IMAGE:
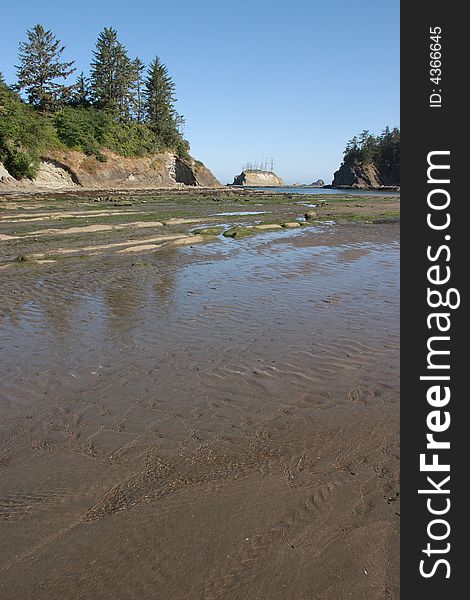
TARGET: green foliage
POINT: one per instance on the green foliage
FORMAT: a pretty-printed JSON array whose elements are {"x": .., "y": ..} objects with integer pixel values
[
  {"x": 81, "y": 94},
  {"x": 24, "y": 135},
  {"x": 138, "y": 105},
  {"x": 90, "y": 130},
  {"x": 182, "y": 148},
  {"x": 40, "y": 67},
  {"x": 160, "y": 100},
  {"x": 115, "y": 109},
  {"x": 132, "y": 139},
  {"x": 114, "y": 76},
  {"x": 21, "y": 163},
  {"x": 77, "y": 129},
  {"x": 382, "y": 150}
]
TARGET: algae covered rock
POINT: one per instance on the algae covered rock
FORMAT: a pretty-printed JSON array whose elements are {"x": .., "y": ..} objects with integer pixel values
[
  {"x": 25, "y": 257},
  {"x": 291, "y": 225},
  {"x": 208, "y": 230},
  {"x": 238, "y": 232}
]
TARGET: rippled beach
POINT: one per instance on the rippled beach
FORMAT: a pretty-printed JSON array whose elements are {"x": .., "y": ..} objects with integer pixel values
[{"x": 213, "y": 420}]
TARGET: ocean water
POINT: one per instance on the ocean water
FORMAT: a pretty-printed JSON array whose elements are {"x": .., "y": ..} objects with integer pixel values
[{"x": 325, "y": 191}]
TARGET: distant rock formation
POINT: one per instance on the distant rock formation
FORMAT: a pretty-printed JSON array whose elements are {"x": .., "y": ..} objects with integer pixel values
[
  {"x": 257, "y": 178},
  {"x": 368, "y": 176},
  {"x": 70, "y": 170},
  {"x": 317, "y": 183}
]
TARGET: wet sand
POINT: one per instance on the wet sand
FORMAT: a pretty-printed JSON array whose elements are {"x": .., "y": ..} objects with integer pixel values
[{"x": 207, "y": 421}]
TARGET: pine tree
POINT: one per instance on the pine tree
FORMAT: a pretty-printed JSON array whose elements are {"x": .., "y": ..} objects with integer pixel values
[
  {"x": 138, "y": 89},
  {"x": 4, "y": 94},
  {"x": 81, "y": 92},
  {"x": 112, "y": 75},
  {"x": 40, "y": 67},
  {"x": 160, "y": 101}
]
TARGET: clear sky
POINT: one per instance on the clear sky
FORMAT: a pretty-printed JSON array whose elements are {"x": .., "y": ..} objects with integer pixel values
[{"x": 289, "y": 80}]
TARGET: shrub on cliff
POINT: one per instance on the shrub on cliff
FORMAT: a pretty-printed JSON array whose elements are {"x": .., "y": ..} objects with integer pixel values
[
  {"x": 90, "y": 130},
  {"x": 24, "y": 135},
  {"x": 79, "y": 128},
  {"x": 115, "y": 109}
]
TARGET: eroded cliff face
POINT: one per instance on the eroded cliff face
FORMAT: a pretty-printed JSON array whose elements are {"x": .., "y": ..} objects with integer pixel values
[
  {"x": 258, "y": 179},
  {"x": 366, "y": 176},
  {"x": 73, "y": 169},
  {"x": 5, "y": 177}
]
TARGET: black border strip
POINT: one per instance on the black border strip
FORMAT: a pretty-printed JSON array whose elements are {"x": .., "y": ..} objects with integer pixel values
[{"x": 426, "y": 128}]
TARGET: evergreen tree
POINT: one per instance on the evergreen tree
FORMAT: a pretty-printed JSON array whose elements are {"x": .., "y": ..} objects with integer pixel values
[
  {"x": 40, "y": 67},
  {"x": 180, "y": 122},
  {"x": 122, "y": 107},
  {"x": 4, "y": 94},
  {"x": 126, "y": 83},
  {"x": 81, "y": 92},
  {"x": 112, "y": 75},
  {"x": 160, "y": 101},
  {"x": 388, "y": 153},
  {"x": 352, "y": 152},
  {"x": 103, "y": 68},
  {"x": 138, "y": 89},
  {"x": 382, "y": 150}
]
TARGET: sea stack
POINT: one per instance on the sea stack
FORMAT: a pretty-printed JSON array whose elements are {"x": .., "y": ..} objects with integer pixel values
[{"x": 257, "y": 178}]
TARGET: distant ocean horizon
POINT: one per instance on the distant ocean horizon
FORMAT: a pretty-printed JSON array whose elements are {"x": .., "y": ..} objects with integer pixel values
[{"x": 326, "y": 191}]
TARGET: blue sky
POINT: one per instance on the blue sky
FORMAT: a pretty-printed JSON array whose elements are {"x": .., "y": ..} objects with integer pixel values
[{"x": 289, "y": 80}]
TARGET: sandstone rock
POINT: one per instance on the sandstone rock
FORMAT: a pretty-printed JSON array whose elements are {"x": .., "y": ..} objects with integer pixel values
[
  {"x": 291, "y": 225},
  {"x": 267, "y": 226},
  {"x": 311, "y": 214},
  {"x": 258, "y": 178},
  {"x": 62, "y": 170},
  {"x": 5, "y": 176},
  {"x": 53, "y": 175}
]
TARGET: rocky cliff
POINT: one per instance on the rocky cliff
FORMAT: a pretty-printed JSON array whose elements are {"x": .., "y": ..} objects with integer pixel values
[
  {"x": 366, "y": 176},
  {"x": 258, "y": 178},
  {"x": 74, "y": 169},
  {"x": 5, "y": 177}
]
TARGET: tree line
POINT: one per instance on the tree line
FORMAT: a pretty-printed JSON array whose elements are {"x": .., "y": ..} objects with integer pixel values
[
  {"x": 382, "y": 149},
  {"x": 126, "y": 87},
  {"x": 122, "y": 105}
]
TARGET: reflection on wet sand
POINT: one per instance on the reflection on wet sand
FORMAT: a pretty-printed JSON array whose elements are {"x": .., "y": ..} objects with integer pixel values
[{"x": 210, "y": 422}]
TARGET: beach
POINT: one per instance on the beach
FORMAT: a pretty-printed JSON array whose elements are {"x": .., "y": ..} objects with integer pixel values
[{"x": 187, "y": 415}]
